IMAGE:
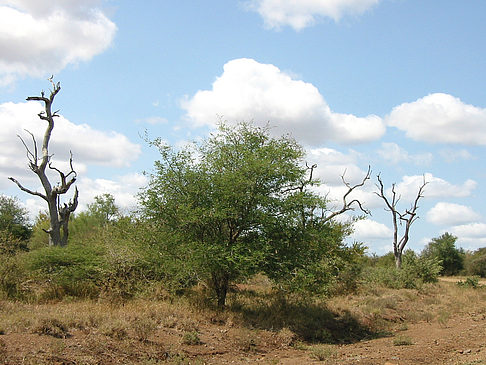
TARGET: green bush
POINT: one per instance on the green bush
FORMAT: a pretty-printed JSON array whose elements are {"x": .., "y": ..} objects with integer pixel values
[
  {"x": 75, "y": 270},
  {"x": 475, "y": 263},
  {"x": 415, "y": 271},
  {"x": 11, "y": 276},
  {"x": 443, "y": 248}
]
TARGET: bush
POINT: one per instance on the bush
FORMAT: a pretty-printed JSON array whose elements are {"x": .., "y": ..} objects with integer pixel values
[
  {"x": 11, "y": 276},
  {"x": 414, "y": 272},
  {"x": 475, "y": 263},
  {"x": 443, "y": 248}
]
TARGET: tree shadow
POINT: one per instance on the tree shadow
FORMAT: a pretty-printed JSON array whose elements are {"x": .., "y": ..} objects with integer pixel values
[{"x": 311, "y": 321}]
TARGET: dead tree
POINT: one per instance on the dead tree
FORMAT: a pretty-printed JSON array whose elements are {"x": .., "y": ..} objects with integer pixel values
[
  {"x": 58, "y": 213},
  {"x": 407, "y": 218}
]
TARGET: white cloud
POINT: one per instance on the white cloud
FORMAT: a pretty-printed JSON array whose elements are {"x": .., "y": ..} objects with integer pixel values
[
  {"x": 123, "y": 188},
  {"x": 38, "y": 38},
  {"x": 248, "y": 90},
  {"x": 435, "y": 188},
  {"x": 470, "y": 236},
  {"x": 88, "y": 145},
  {"x": 451, "y": 214},
  {"x": 453, "y": 155},
  {"x": 369, "y": 229},
  {"x": 440, "y": 118},
  {"x": 394, "y": 154},
  {"x": 303, "y": 13}
]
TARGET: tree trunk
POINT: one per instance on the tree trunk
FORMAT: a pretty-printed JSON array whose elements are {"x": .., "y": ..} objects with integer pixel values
[
  {"x": 55, "y": 226},
  {"x": 398, "y": 260},
  {"x": 220, "y": 284}
]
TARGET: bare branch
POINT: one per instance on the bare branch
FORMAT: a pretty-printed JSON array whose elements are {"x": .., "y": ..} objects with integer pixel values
[
  {"x": 349, "y": 205},
  {"x": 407, "y": 218},
  {"x": 31, "y": 192}
]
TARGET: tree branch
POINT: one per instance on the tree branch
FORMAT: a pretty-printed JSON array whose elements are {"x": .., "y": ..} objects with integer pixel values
[
  {"x": 349, "y": 205},
  {"x": 27, "y": 190}
]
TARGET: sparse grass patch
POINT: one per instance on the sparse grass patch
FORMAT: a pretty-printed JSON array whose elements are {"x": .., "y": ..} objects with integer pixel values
[
  {"x": 115, "y": 329},
  {"x": 51, "y": 327},
  {"x": 322, "y": 352},
  {"x": 143, "y": 328},
  {"x": 191, "y": 338},
  {"x": 286, "y": 337},
  {"x": 402, "y": 341}
]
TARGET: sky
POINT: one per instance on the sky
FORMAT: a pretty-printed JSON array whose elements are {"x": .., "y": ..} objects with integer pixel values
[{"x": 397, "y": 85}]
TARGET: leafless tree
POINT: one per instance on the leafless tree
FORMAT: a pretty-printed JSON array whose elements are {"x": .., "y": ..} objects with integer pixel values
[
  {"x": 58, "y": 213},
  {"x": 407, "y": 218}
]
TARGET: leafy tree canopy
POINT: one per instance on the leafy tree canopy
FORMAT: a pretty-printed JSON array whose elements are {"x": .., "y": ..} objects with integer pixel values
[
  {"x": 14, "y": 218},
  {"x": 444, "y": 249},
  {"x": 241, "y": 202}
]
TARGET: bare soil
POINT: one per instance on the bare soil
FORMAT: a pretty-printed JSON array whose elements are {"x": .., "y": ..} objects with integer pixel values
[{"x": 457, "y": 338}]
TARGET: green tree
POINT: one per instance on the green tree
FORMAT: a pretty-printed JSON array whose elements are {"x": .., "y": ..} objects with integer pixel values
[
  {"x": 444, "y": 249},
  {"x": 475, "y": 262},
  {"x": 104, "y": 208},
  {"x": 238, "y": 203},
  {"x": 13, "y": 218}
]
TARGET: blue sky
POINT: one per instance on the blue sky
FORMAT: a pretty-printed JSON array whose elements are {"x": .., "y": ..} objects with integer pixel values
[{"x": 395, "y": 84}]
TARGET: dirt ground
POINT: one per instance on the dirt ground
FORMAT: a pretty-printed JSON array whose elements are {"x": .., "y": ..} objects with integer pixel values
[
  {"x": 461, "y": 341},
  {"x": 458, "y": 339}
]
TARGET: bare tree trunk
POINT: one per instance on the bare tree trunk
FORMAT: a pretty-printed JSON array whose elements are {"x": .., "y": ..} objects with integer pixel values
[
  {"x": 58, "y": 216},
  {"x": 408, "y": 217}
]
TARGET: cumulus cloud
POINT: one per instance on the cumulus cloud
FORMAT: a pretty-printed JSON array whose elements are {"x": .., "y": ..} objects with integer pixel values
[
  {"x": 248, "y": 90},
  {"x": 394, "y": 154},
  {"x": 449, "y": 214},
  {"x": 39, "y": 38},
  {"x": 435, "y": 188},
  {"x": 88, "y": 145},
  {"x": 123, "y": 188},
  {"x": 301, "y": 14},
  {"x": 369, "y": 229},
  {"x": 440, "y": 118},
  {"x": 471, "y": 236},
  {"x": 453, "y": 155}
]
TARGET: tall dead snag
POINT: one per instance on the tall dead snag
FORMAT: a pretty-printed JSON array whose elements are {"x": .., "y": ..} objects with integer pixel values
[
  {"x": 58, "y": 213},
  {"x": 407, "y": 218}
]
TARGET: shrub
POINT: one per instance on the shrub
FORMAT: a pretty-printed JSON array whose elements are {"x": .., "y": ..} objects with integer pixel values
[
  {"x": 51, "y": 327},
  {"x": 414, "y": 272},
  {"x": 75, "y": 269},
  {"x": 443, "y": 248},
  {"x": 191, "y": 338},
  {"x": 475, "y": 263},
  {"x": 402, "y": 341},
  {"x": 470, "y": 282},
  {"x": 11, "y": 277}
]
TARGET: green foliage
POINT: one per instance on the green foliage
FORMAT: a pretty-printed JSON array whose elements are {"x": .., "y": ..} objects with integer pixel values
[
  {"x": 239, "y": 203},
  {"x": 12, "y": 275},
  {"x": 475, "y": 263},
  {"x": 75, "y": 269},
  {"x": 470, "y": 282},
  {"x": 104, "y": 208},
  {"x": 15, "y": 229},
  {"x": 415, "y": 271},
  {"x": 443, "y": 248}
]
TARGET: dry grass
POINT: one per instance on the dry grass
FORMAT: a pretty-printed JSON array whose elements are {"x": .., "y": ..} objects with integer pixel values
[{"x": 142, "y": 331}]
